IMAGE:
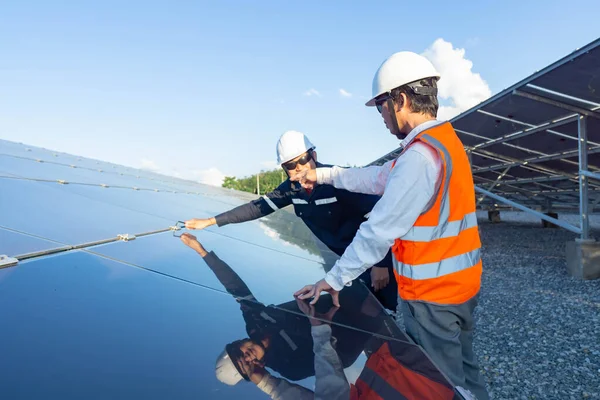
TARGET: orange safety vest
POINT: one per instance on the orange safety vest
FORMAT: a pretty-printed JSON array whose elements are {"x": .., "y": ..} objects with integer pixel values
[
  {"x": 384, "y": 377},
  {"x": 438, "y": 260}
]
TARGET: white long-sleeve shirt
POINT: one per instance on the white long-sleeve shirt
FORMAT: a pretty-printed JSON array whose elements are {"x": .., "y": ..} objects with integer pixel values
[{"x": 407, "y": 190}]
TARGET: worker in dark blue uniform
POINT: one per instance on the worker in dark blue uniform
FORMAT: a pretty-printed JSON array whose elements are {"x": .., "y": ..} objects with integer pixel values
[
  {"x": 333, "y": 215},
  {"x": 279, "y": 337}
]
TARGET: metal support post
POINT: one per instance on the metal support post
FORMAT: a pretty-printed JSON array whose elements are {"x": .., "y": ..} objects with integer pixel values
[
  {"x": 521, "y": 207},
  {"x": 548, "y": 205},
  {"x": 494, "y": 184},
  {"x": 583, "y": 180}
]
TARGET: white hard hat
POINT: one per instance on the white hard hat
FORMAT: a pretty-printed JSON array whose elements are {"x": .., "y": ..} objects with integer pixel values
[
  {"x": 398, "y": 70},
  {"x": 226, "y": 371},
  {"x": 291, "y": 144}
]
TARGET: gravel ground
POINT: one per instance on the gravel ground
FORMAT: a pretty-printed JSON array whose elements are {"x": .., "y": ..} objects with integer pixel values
[{"x": 538, "y": 329}]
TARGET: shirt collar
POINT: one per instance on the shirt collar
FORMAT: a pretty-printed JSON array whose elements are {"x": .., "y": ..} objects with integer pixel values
[{"x": 418, "y": 129}]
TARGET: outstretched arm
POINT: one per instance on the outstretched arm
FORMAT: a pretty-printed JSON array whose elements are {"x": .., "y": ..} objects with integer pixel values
[
  {"x": 261, "y": 207},
  {"x": 368, "y": 180},
  {"x": 330, "y": 380},
  {"x": 224, "y": 273}
]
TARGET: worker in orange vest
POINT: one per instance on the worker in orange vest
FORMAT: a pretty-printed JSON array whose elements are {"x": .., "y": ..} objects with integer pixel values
[
  {"x": 426, "y": 215},
  {"x": 395, "y": 369}
]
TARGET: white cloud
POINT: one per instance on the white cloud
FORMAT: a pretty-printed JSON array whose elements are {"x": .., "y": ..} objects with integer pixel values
[
  {"x": 273, "y": 234},
  {"x": 312, "y": 92},
  {"x": 211, "y": 176},
  {"x": 149, "y": 165},
  {"x": 459, "y": 85},
  {"x": 271, "y": 164},
  {"x": 344, "y": 93}
]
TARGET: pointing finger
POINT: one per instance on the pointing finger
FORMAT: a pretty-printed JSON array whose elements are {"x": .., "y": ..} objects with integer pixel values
[
  {"x": 307, "y": 294},
  {"x": 303, "y": 290}
]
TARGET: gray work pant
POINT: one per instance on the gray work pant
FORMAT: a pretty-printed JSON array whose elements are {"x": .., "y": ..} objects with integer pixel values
[{"x": 446, "y": 334}]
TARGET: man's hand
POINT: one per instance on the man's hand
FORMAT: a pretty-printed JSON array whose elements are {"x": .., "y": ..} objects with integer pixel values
[
  {"x": 310, "y": 312},
  {"x": 256, "y": 373},
  {"x": 199, "y": 223},
  {"x": 193, "y": 243},
  {"x": 380, "y": 277},
  {"x": 315, "y": 290},
  {"x": 307, "y": 178}
]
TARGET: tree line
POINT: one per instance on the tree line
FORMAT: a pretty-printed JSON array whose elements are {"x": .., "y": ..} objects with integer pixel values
[{"x": 267, "y": 181}]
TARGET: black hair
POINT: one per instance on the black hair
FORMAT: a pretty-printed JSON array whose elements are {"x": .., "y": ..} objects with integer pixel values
[{"x": 419, "y": 103}]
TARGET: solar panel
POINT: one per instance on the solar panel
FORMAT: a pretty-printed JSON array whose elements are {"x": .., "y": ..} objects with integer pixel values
[
  {"x": 18, "y": 243},
  {"x": 524, "y": 142},
  {"x": 90, "y": 314}
]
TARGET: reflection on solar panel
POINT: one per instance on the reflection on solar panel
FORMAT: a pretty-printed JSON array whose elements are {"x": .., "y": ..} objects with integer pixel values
[
  {"x": 101, "y": 299},
  {"x": 536, "y": 145}
]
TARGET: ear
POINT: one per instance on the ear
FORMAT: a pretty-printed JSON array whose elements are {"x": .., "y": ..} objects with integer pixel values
[
  {"x": 405, "y": 103},
  {"x": 314, "y": 155}
]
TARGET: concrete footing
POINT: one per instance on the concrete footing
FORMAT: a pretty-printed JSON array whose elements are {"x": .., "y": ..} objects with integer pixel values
[
  {"x": 583, "y": 259},
  {"x": 494, "y": 216},
  {"x": 547, "y": 224}
]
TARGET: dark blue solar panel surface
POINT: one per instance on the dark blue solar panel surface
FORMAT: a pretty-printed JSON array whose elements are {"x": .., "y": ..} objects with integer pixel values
[
  {"x": 148, "y": 318},
  {"x": 14, "y": 243}
]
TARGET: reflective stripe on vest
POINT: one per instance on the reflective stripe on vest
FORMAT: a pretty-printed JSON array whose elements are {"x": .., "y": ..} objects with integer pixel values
[
  {"x": 378, "y": 385},
  {"x": 445, "y": 206},
  {"x": 440, "y": 268},
  {"x": 450, "y": 229}
]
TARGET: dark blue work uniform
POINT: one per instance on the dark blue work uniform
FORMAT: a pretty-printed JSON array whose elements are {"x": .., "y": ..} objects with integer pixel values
[
  {"x": 290, "y": 350},
  {"x": 333, "y": 215}
]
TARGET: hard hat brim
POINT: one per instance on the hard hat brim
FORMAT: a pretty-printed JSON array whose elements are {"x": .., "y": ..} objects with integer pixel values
[{"x": 371, "y": 103}]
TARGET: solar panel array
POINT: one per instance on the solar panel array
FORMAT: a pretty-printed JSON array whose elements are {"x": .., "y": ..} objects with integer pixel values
[{"x": 106, "y": 302}]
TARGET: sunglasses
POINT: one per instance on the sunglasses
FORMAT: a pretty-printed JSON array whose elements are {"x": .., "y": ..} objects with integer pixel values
[
  {"x": 379, "y": 103},
  {"x": 290, "y": 165}
]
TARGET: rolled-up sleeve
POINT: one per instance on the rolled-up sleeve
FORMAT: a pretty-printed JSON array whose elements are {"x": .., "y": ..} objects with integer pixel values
[{"x": 409, "y": 188}]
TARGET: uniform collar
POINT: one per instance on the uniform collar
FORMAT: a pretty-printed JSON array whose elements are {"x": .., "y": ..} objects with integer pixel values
[{"x": 418, "y": 129}]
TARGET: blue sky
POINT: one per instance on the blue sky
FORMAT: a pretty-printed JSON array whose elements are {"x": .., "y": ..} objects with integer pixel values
[{"x": 202, "y": 89}]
